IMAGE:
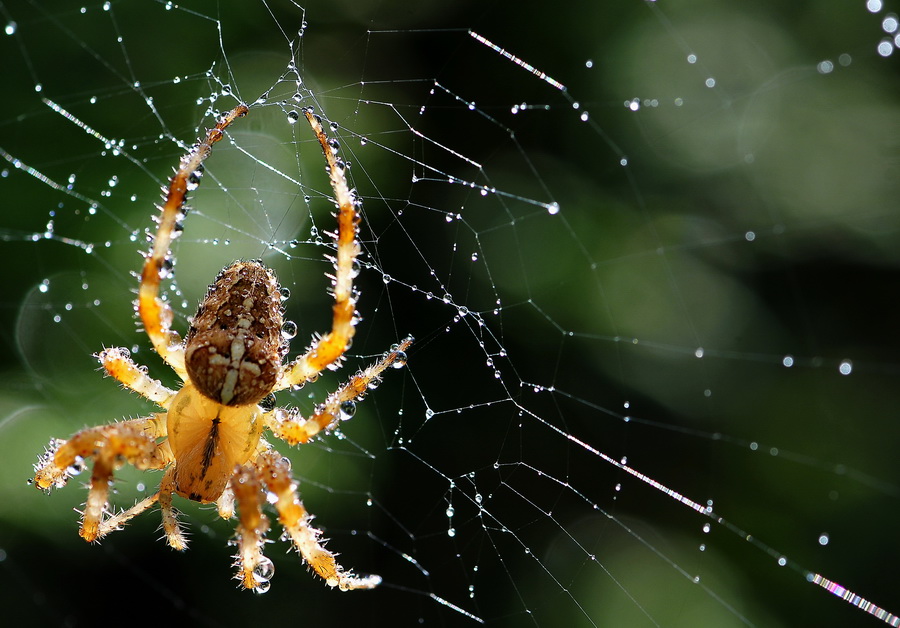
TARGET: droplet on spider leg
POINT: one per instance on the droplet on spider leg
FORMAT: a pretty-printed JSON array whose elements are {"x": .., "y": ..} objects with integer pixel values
[
  {"x": 76, "y": 467},
  {"x": 193, "y": 180},
  {"x": 399, "y": 361},
  {"x": 267, "y": 403},
  {"x": 348, "y": 409},
  {"x": 166, "y": 268}
]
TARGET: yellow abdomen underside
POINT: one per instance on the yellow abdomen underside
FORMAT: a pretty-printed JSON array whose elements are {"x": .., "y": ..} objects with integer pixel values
[{"x": 209, "y": 440}]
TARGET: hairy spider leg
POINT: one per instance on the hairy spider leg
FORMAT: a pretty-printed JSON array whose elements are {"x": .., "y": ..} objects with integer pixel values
[
  {"x": 171, "y": 526},
  {"x": 254, "y": 569},
  {"x": 275, "y": 473},
  {"x": 290, "y": 426},
  {"x": 110, "y": 446},
  {"x": 155, "y": 313},
  {"x": 328, "y": 349},
  {"x": 119, "y": 365}
]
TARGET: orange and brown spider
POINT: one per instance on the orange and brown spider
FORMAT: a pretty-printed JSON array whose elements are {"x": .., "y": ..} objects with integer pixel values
[{"x": 208, "y": 438}]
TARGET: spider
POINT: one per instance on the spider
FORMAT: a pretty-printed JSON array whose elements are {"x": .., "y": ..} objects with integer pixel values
[{"x": 208, "y": 437}]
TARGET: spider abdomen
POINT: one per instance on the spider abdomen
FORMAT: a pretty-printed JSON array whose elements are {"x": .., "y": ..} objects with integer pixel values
[{"x": 234, "y": 347}]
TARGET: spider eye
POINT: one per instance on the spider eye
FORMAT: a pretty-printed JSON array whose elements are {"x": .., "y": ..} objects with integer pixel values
[{"x": 267, "y": 403}]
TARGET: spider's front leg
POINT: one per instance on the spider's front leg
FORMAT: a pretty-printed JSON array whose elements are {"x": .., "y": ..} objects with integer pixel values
[
  {"x": 290, "y": 426},
  {"x": 110, "y": 446},
  {"x": 327, "y": 351},
  {"x": 155, "y": 313}
]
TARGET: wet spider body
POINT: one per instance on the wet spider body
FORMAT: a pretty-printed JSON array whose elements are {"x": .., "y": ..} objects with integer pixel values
[
  {"x": 208, "y": 437},
  {"x": 232, "y": 353}
]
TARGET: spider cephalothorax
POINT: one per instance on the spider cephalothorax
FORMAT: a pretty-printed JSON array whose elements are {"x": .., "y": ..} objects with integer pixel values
[{"x": 208, "y": 439}]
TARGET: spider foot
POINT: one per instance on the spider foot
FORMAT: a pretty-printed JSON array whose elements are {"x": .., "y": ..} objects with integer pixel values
[
  {"x": 307, "y": 540},
  {"x": 295, "y": 520},
  {"x": 48, "y": 474},
  {"x": 254, "y": 569},
  {"x": 175, "y": 535}
]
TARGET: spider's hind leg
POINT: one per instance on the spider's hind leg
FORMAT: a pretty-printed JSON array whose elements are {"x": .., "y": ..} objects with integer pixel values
[
  {"x": 254, "y": 569},
  {"x": 276, "y": 475}
]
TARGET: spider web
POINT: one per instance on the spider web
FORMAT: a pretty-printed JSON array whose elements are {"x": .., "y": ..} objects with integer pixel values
[{"x": 648, "y": 254}]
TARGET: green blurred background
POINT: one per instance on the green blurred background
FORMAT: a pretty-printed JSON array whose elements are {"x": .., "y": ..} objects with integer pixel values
[{"x": 727, "y": 240}]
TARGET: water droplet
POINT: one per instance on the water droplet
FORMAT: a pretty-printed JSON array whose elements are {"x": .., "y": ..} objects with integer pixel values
[
  {"x": 429, "y": 413},
  {"x": 824, "y": 538},
  {"x": 267, "y": 403},
  {"x": 846, "y": 367},
  {"x": 289, "y": 329},
  {"x": 348, "y": 409},
  {"x": 11, "y": 28},
  {"x": 400, "y": 360},
  {"x": 292, "y": 117}
]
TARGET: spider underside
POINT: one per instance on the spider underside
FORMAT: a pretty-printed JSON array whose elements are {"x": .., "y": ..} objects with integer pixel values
[{"x": 208, "y": 437}]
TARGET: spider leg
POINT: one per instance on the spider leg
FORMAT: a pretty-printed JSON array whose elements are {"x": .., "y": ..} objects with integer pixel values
[
  {"x": 164, "y": 458},
  {"x": 155, "y": 313},
  {"x": 288, "y": 425},
  {"x": 225, "y": 503},
  {"x": 110, "y": 446},
  {"x": 254, "y": 569},
  {"x": 276, "y": 475},
  {"x": 328, "y": 349},
  {"x": 119, "y": 365},
  {"x": 117, "y": 521},
  {"x": 171, "y": 526}
]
